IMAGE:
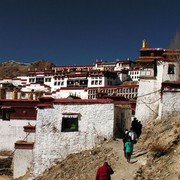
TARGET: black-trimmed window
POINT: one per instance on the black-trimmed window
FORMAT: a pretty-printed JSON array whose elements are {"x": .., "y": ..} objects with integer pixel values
[
  {"x": 133, "y": 112},
  {"x": 39, "y": 80},
  {"x": 69, "y": 124},
  {"x": 171, "y": 69},
  {"x": 6, "y": 114}
]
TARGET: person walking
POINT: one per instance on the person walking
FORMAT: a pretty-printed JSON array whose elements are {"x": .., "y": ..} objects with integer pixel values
[
  {"x": 104, "y": 172},
  {"x": 128, "y": 149},
  {"x": 132, "y": 135},
  {"x": 125, "y": 138}
]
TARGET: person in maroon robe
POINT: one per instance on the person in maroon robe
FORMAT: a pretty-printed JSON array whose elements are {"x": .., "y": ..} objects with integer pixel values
[{"x": 104, "y": 172}]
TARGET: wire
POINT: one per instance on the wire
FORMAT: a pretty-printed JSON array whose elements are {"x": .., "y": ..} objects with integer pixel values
[
  {"x": 150, "y": 93},
  {"x": 150, "y": 102},
  {"x": 150, "y": 108}
]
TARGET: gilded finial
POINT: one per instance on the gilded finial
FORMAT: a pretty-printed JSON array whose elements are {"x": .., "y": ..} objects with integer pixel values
[{"x": 144, "y": 43}]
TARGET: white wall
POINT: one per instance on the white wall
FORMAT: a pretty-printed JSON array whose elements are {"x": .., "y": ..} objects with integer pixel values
[
  {"x": 11, "y": 131},
  {"x": 149, "y": 97},
  {"x": 53, "y": 87},
  {"x": 52, "y": 145},
  {"x": 170, "y": 103},
  {"x": 67, "y": 92},
  {"x": 147, "y": 105},
  {"x": 98, "y": 79},
  {"x": 134, "y": 74},
  {"x": 170, "y": 77},
  {"x": 35, "y": 87},
  {"x": 22, "y": 162}
]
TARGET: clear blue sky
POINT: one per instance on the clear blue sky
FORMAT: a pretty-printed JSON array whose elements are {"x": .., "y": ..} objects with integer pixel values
[{"x": 68, "y": 32}]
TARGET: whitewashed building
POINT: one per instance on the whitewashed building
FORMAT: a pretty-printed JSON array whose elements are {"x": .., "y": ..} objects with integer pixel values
[
  {"x": 170, "y": 103},
  {"x": 14, "y": 115},
  {"x": 63, "y": 81},
  {"x": 157, "y": 66},
  {"x": 134, "y": 74},
  {"x": 66, "y": 126}
]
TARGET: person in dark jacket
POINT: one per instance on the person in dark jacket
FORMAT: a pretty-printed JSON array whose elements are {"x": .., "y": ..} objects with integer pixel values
[
  {"x": 125, "y": 138},
  {"x": 104, "y": 172}
]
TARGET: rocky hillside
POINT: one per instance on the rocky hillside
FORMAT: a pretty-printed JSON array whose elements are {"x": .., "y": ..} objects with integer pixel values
[
  {"x": 12, "y": 69},
  {"x": 161, "y": 140}
]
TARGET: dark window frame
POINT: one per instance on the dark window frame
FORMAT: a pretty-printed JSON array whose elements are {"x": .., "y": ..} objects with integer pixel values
[
  {"x": 69, "y": 124},
  {"x": 171, "y": 69},
  {"x": 6, "y": 114}
]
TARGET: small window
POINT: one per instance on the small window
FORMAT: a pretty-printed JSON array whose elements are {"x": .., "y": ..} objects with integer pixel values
[
  {"x": 171, "y": 69},
  {"x": 6, "y": 114},
  {"x": 133, "y": 112},
  {"x": 69, "y": 124}
]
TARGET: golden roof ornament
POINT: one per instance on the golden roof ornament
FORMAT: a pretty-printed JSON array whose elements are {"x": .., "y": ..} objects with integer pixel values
[{"x": 144, "y": 43}]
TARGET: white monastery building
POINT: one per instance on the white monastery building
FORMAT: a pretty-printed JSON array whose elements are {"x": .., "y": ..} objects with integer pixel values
[{"x": 158, "y": 92}]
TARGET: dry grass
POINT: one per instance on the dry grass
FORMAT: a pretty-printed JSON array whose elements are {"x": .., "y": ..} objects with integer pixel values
[
  {"x": 146, "y": 135},
  {"x": 176, "y": 131},
  {"x": 178, "y": 124},
  {"x": 160, "y": 138},
  {"x": 158, "y": 149}
]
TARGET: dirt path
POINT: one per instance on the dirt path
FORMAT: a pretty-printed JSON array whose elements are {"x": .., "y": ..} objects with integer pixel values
[
  {"x": 5, "y": 178},
  {"x": 124, "y": 170},
  {"x": 83, "y": 166},
  {"x": 88, "y": 162}
]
